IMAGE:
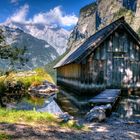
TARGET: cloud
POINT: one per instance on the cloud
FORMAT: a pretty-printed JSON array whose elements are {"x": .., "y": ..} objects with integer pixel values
[
  {"x": 53, "y": 17},
  {"x": 14, "y": 1},
  {"x": 20, "y": 15}
]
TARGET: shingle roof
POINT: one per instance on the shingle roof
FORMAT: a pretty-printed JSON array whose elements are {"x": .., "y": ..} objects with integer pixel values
[{"x": 95, "y": 40}]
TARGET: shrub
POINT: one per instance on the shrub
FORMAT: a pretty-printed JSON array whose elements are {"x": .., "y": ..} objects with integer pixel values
[
  {"x": 124, "y": 12},
  {"x": 23, "y": 80}
]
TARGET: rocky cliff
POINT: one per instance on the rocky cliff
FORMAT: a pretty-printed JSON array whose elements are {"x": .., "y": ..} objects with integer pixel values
[{"x": 96, "y": 15}]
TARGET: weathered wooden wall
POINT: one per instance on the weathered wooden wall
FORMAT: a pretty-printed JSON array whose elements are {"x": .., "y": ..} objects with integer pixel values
[{"x": 114, "y": 64}]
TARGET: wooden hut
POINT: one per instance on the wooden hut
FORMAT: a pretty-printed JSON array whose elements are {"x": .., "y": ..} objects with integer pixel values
[{"x": 108, "y": 59}]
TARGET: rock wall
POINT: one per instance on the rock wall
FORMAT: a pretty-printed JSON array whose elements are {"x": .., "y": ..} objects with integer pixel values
[
  {"x": 101, "y": 13},
  {"x": 85, "y": 26},
  {"x": 136, "y": 21}
]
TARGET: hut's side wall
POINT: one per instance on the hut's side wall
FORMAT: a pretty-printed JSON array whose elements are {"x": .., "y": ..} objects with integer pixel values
[{"x": 69, "y": 76}]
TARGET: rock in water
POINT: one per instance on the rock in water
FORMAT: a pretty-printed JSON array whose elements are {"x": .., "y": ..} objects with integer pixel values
[
  {"x": 45, "y": 88},
  {"x": 65, "y": 117}
]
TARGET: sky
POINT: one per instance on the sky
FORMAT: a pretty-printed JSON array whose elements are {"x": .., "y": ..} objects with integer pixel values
[{"x": 60, "y": 12}]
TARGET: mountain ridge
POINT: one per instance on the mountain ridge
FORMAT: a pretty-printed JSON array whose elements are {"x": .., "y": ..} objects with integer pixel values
[
  {"x": 54, "y": 35},
  {"x": 39, "y": 51}
]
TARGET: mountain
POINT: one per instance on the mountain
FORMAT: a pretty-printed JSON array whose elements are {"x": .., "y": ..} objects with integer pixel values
[
  {"x": 54, "y": 35},
  {"x": 39, "y": 51},
  {"x": 97, "y": 15}
]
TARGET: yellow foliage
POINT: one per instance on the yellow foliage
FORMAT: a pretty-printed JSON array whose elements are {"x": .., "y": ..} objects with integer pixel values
[{"x": 36, "y": 83}]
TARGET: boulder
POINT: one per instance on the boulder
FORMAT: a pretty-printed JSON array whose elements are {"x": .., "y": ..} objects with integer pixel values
[
  {"x": 98, "y": 113},
  {"x": 45, "y": 87}
]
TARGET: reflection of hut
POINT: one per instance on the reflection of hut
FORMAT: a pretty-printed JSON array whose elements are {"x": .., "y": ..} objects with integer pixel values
[{"x": 108, "y": 59}]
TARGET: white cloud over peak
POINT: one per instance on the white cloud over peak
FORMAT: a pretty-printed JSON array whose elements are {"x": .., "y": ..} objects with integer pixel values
[
  {"x": 20, "y": 15},
  {"x": 53, "y": 17}
]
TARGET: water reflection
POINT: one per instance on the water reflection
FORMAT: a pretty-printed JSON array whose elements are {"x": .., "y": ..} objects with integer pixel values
[
  {"x": 40, "y": 104},
  {"x": 129, "y": 107}
]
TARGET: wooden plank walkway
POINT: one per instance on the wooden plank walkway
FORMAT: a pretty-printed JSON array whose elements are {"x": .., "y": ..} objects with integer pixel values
[{"x": 106, "y": 96}]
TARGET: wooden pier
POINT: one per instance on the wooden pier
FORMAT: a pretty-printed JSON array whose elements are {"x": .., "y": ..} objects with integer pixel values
[{"x": 106, "y": 96}]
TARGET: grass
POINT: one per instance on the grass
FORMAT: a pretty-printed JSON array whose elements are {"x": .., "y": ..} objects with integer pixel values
[
  {"x": 35, "y": 118},
  {"x": 30, "y": 117}
]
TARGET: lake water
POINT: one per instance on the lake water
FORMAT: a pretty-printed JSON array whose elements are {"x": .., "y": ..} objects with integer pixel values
[{"x": 128, "y": 107}]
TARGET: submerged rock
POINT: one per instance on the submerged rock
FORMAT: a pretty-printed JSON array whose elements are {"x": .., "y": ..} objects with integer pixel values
[{"x": 65, "y": 117}]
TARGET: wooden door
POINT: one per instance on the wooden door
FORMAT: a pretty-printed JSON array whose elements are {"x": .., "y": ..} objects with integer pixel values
[{"x": 117, "y": 71}]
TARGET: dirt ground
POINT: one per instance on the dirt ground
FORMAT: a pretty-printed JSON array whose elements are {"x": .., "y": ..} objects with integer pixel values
[{"x": 110, "y": 130}]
